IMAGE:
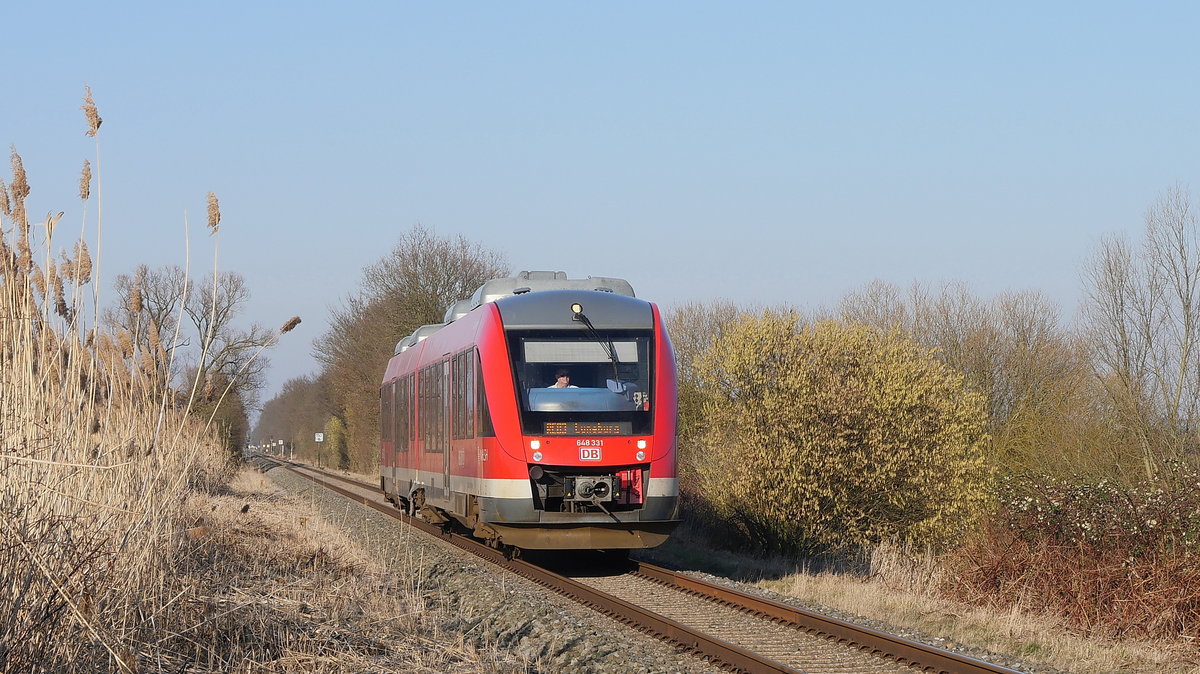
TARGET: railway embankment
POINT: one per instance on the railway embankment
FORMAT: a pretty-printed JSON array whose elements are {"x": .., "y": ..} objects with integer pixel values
[
  {"x": 462, "y": 606},
  {"x": 873, "y": 599}
]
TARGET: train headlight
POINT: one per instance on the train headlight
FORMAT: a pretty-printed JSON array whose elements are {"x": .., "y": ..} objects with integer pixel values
[
  {"x": 577, "y": 308},
  {"x": 641, "y": 444},
  {"x": 537, "y": 456},
  {"x": 641, "y": 456},
  {"x": 535, "y": 444}
]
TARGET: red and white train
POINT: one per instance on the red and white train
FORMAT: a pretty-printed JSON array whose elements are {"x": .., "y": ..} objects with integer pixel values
[{"x": 478, "y": 425}]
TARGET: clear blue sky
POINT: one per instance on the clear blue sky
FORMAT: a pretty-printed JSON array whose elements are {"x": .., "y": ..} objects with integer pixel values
[{"x": 763, "y": 152}]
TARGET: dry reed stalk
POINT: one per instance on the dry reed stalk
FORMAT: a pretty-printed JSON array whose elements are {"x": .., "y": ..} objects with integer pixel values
[
  {"x": 82, "y": 266},
  {"x": 85, "y": 266},
  {"x": 214, "y": 213},
  {"x": 84, "y": 509},
  {"x": 90, "y": 112},
  {"x": 85, "y": 181},
  {"x": 92, "y": 116},
  {"x": 206, "y": 340},
  {"x": 18, "y": 189}
]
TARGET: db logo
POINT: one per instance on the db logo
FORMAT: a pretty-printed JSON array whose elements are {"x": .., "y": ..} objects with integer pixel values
[{"x": 589, "y": 453}]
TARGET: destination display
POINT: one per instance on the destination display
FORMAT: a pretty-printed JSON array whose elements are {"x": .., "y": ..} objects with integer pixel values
[{"x": 588, "y": 428}]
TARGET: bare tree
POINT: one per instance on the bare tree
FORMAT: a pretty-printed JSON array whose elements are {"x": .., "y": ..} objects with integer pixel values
[
  {"x": 424, "y": 274},
  {"x": 158, "y": 299},
  {"x": 1143, "y": 318},
  {"x": 1015, "y": 349},
  {"x": 694, "y": 327},
  {"x": 409, "y": 287},
  {"x": 225, "y": 349},
  {"x": 879, "y": 304},
  {"x": 150, "y": 305},
  {"x": 148, "y": 308}
]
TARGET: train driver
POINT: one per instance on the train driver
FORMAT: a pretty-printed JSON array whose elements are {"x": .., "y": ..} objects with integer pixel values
[{"x": 562, "y": 379}]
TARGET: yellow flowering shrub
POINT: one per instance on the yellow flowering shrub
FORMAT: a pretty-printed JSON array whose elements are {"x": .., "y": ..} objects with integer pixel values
[{"x": 831, "y": 435}]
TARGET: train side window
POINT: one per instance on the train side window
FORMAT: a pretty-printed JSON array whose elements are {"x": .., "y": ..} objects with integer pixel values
[
  {"x": 397, "y": 411},
  {"x": 464, "y": 396},
  {"x": 432, "y": 407},
  {"x": 422, "y": 408},
  {"x": 429, "y": 408},
  {"x": 405, "y": 413},
  {"x": 444, "y": 407},
  {"x": 405, "y": 429},
  {"x": 455, "y": 375},
  {"x": 389, "y": 417},
  {"x": 468, "y": 393},
  {"x": 438, "y": 416},
  {"x": 386, "y": 399},
  {"x": 402, "y": 413},
  {"x": 481, "y": 404}
]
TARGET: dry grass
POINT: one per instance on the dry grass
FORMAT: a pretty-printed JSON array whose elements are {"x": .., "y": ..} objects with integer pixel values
[
  {"x": 95, "y": 464},
  {"x": 904, "y": 590},
  {"x": 122, "y": 549},
  {"x": 274, "y": 587}
]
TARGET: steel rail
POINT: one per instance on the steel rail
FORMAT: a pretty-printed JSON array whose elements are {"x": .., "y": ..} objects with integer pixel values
[
  {"x": 690, "y": 640},
  {"x": 870, "y": 640},
  {"x": 888, "y": 646}
]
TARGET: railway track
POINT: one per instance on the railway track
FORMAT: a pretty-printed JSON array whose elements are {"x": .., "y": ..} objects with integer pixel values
[{"x": 736, "y": 630}]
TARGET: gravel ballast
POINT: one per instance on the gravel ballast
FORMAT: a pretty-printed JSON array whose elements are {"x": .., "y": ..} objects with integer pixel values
[{"x": 491, "y": 608}]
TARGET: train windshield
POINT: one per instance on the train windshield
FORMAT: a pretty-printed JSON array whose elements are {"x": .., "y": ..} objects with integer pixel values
[{"x": 573, "y": 383}]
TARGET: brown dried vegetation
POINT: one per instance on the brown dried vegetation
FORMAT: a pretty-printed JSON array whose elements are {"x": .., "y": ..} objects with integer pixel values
[
  {"x": 97, "y": 462},
  {"x": 92, "y": 482}
]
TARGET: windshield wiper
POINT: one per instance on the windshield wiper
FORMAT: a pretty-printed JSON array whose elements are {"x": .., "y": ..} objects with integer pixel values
[{"x": 610, "y": 349}]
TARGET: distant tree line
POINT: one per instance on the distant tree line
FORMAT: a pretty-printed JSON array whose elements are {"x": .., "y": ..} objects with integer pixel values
[
  {"x": 891, "y": 415},
  {"x": 409, "y": 287},
  {"x": 894, "y": 414}
]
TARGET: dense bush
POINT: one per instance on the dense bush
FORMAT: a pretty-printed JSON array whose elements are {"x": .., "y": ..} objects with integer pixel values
[
  {"x": 834, "y": 434},
  {"x": 1111, "y": 558},
  {"x": 335, "y": 452},
  {"x": 1141, "y": 520},
  {"x": 693, "y": 328}
]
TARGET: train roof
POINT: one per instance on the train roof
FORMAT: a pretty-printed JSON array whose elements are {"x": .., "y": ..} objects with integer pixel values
[
  {"x": 418, "y": 335},
  {"x": 530, "y": 281},
  {"x": 522, "y": 284},
  {"x": 457, "y": 310}
]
